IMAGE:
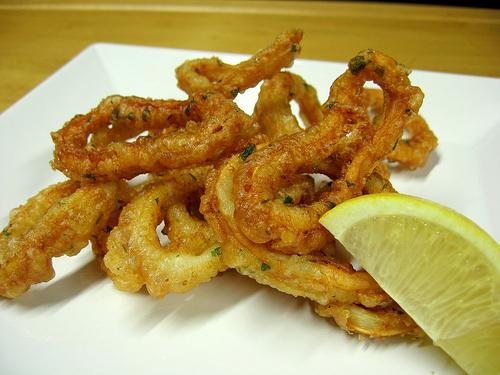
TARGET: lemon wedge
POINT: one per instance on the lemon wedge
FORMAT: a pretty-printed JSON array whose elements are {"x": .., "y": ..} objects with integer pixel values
[{"x": 439, "y": 266}]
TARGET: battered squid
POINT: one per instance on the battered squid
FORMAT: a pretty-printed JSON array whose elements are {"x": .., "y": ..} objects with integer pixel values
[
  {"x": 272, "y": 111},
  {"x": 212, "y": 124},
  {"x": 135, "y": 256},
  {"x": 230, "y": 80},
  {"x": 295, "y": 229},
  {"x": 59, "y": 220}
]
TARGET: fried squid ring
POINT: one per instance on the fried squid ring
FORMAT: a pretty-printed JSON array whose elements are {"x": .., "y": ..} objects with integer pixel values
[
  {"x": 316, "y": 276},
  {"x": 413, "y": 152},
  {"x": 57, "y": 221},
  {"x": 210, "y": 126},
  {"x": 214, "y": 75},
  {"x": 413, "y": 149},
  {"x": 295, "y": 229},
  {"x": 376, "y": 322},
  {"x": 273, "y": 112},
  {"x": 135, "y": 256}
]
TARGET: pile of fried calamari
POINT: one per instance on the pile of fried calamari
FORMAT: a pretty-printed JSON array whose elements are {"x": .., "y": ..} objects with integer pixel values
[{"x": 234, "y": 190}]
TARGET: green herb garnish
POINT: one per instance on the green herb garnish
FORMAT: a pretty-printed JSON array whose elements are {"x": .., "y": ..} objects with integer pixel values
[
  {"x": 350, "y": 184},
  {"x": 6, "y": 233},
  {"x": 329, "y": 105},
  {"x": 247, "y": 152},
  {"x": 357, "y": 64},
  {"x": 379, "y": 70},
  {"x": 265, "y": 267},
  {"x": 216, "y": 252},
  {"x": 288, "y": 200},
  {"x": 146, "y": 114}
]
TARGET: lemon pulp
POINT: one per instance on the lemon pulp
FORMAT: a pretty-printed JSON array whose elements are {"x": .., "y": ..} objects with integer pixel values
[{"x": 440, "y": 267}]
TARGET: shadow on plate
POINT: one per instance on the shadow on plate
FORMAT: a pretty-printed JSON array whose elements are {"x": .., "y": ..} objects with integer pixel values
[
  {"x": 62, "y": 289},
  {"x": 419, "y": 173},
  {"x": 198, "y": 305}
]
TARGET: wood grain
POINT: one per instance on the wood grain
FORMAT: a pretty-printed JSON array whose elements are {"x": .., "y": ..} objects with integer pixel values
[{"x": 37, "y": 37}]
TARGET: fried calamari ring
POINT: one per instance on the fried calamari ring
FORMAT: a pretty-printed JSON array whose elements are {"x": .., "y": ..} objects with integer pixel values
[
  {"x": 375, "y": 322},
  {"x": 413, "y": 150},
  {"x": 273, "y": 112},
  {"x": 295, "y": 229},
  {"x": 210, "y": 126},
  {"x": 124, "y": 196},
  {"x": 57, "y": 221},
  {"x": 135, "y": 256},
  {"x": 315, "y": 276},
  {"x": 214, "y": 75}
]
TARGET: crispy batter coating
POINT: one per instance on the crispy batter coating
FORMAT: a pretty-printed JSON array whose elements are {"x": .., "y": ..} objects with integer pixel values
[
  {"x": 314, "y": 276},
  {"x": 295, "y": 229},
  {"x": 214, "y": 75},
  {"x": 412, "y": 150},
  {"x": 376, "y": 322},
  {"x": 273, "y": 112},
  {"x": 213, "y": 126},
  {"x": 351, "y": 297},
  {"x": 58, "y": 221},
  {"x": 234, "y": 191},
  {"x": 135, "y": 256}
]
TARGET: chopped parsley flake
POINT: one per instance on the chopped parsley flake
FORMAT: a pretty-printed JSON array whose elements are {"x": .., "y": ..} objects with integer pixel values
[
  {"x": 247, "y": 152},
  {"x": 6, "y": 233},
  {"x": 288, "y": 200},
  {"x": 146, "y": 114},
  {"x": 217, "y": 251},
  {"x": 265, "y": 267},
  {"x": 357, "y": 64}
]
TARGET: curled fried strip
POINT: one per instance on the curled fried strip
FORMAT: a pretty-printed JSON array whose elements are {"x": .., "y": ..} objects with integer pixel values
[
  {"x": 375, "y": 322},
  {"x": 135, "y": 256},
  {"x": 273, "y": 112},
  {"x": 58, "y": 221},
  {"x": 295, "y": 229},
  {"x": 214, "y": 75},
  {"x": 413, "y": 150},
  {"x": 314, "y": 276},
  {"x": 211, "y": 125}
]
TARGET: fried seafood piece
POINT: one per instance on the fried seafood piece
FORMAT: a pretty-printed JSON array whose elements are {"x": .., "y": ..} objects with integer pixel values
[
  {"x": 211, "y": 74},
  {"x": 413, "y": 149},
  {"x": 124, "y": 196},
  {"x": 413, "y": 152},
  {"x": 377, "y": 322},
  {"x": 273, "y": 112},
  {"x": 316, "y": 276},
  {"x": 57, "y": 221},
  {"x": 292, "y": 228},
  {"x": 206, "y": 126},
  {"x": 135, "y": 256}
]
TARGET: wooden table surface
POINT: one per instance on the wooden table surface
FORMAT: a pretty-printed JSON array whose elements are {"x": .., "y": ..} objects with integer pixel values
[{"x": 37, "y": 37}]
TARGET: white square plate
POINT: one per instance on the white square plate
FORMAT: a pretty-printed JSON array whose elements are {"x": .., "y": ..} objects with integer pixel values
[{"x": 79, "y": 324}]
